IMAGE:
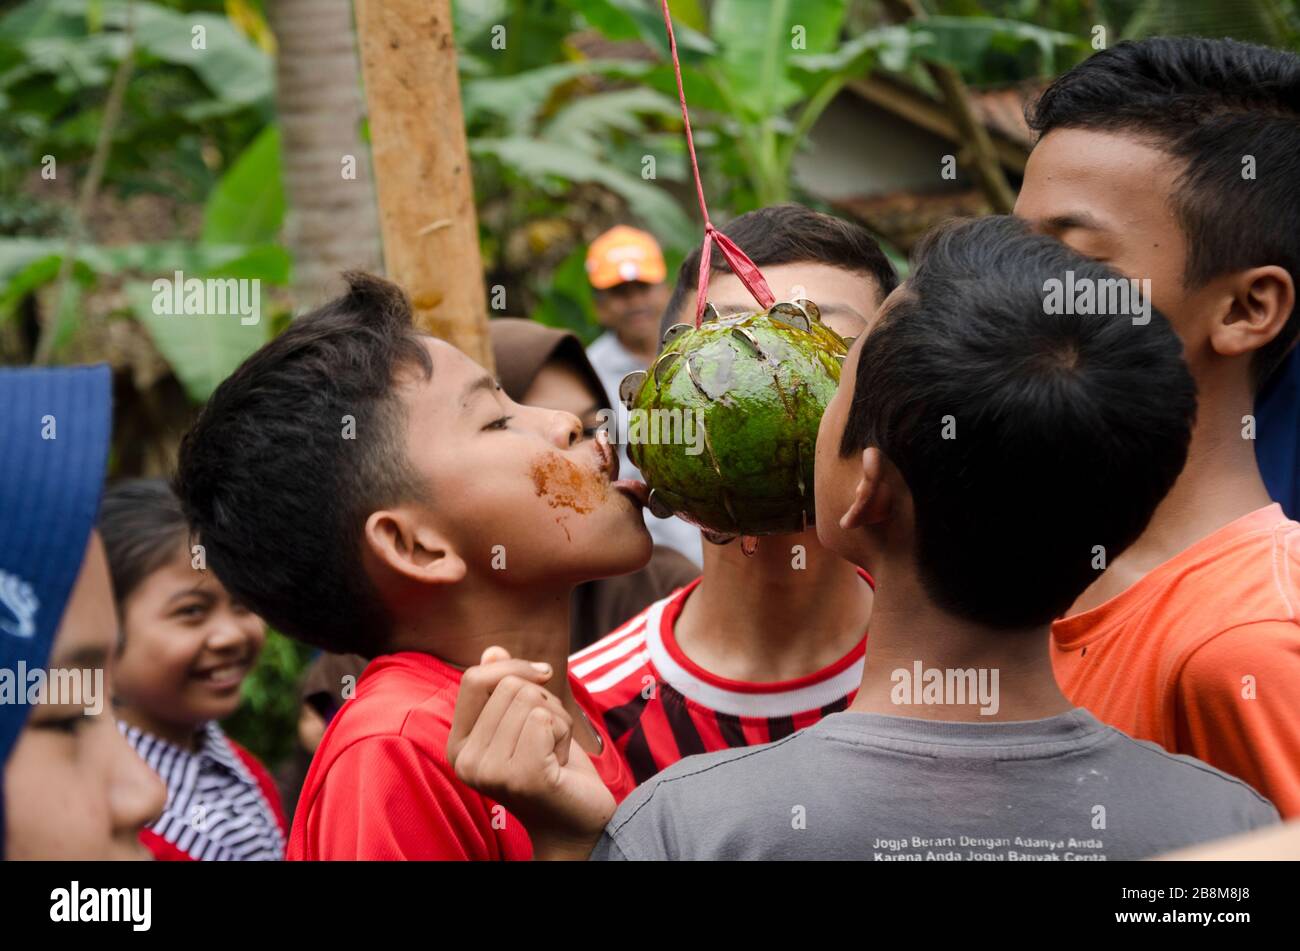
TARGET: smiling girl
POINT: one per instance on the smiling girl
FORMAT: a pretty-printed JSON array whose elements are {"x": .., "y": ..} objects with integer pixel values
[{"x": 185, "y": 650}]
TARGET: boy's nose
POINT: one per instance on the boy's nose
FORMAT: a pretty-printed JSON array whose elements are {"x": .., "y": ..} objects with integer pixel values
[{"x": 566, "y": 429}]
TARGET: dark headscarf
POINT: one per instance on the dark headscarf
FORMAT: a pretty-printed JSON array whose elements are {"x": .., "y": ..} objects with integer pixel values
[{"x": 523, "y": 347}]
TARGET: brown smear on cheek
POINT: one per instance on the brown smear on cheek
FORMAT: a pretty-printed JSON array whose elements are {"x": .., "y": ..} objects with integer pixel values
[{"x": 566, "y": 484}]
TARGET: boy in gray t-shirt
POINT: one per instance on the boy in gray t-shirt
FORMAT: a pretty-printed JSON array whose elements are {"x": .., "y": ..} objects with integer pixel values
[
  {"x": 987, "y": 452},
  {"x": 901, "y": 789}
]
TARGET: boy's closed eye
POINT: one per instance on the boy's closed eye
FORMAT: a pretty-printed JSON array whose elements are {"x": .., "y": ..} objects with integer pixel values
[{"x": 483, "y": 386}]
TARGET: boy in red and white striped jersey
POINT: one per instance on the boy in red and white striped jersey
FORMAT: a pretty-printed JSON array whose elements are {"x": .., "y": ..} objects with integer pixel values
[{"x": 765, "y": 644}]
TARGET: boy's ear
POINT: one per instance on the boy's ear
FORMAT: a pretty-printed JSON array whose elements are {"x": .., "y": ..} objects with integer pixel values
[
  {"x": 1262, "y": 299},
  {"x": 410, "y": 546},
  {"x": 873, "y": 498}
]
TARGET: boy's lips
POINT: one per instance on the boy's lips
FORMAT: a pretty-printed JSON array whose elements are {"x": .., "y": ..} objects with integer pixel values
[
  {"x": 606, "y": 455},
  {"x": 634, "y": 489}
]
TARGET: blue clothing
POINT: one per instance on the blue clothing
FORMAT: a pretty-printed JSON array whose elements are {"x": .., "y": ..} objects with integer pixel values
[
  {"x": 1277, "y": 435},
  {"x": 54, "y": 429}
]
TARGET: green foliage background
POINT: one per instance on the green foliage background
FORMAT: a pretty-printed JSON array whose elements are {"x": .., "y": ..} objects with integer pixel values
[{"x": 557, "y": 138}]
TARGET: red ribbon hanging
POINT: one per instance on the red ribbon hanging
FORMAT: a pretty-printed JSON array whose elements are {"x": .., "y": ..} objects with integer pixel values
[{"x": 744, "y": 268}]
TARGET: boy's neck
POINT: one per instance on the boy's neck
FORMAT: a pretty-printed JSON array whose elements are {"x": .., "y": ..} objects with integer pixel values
[
  {"x": 1220, "y": 483},
  {"x": 531, "y": 623},
  {"x": 780, "y": 613},
  {"x": 1013, "y": 668}
]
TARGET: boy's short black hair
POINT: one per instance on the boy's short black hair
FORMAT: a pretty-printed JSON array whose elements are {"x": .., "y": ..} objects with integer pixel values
[
  {"x": 789, "y": 234},
  {"x": 1026, "y": 439},
  {"x": 1210, "y": 103},
  {"x": 142, "y": 525},
  {"x": 276, "y": 494}
]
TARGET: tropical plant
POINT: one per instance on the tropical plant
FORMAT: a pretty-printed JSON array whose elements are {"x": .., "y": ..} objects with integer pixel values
[
  {"x": 193, "y": 129},
  {"x": 267, "y": 719},
  {"x": 758, "y": 75},
  {"x": 573, "y": 123}
]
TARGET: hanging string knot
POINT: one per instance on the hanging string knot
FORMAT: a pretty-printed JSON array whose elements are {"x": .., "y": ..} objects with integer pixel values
[{"x": 741, "y": 265}]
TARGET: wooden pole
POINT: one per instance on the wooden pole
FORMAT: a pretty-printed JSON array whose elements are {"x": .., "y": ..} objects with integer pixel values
[{"x": 422, "y": 170}]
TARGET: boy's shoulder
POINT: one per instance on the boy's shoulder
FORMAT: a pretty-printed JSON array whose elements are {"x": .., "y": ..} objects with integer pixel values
[
  {"x": 380, "y": 785},
  {"x": 1151, "y": 763},
  {"x": 1249, "y": 571},
  {"x": 845, "y": 768},
  {"x": 1229, "y": 603},
  {"x": 1196, "y": 781},
  {"x": 703, "y": 777},
  {"x": 718, "y": 805},
  {"x": 408, "y": 695}
]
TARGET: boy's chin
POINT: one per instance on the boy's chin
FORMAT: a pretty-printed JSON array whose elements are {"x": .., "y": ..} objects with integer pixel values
[{"x": 622, "y": 555}]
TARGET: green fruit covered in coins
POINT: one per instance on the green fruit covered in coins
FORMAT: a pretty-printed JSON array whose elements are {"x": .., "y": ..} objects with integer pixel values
[{"x": 723, "y": 426}]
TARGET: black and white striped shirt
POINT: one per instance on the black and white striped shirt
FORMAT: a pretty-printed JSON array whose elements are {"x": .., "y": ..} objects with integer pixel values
[{"x": 216, "y": 810}]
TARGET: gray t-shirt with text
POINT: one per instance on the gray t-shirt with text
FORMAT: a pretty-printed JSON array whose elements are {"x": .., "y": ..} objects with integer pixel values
[{"x": 885, "y": 788}]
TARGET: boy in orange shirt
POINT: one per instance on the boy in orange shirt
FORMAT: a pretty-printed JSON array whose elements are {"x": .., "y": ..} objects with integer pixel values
[{"x": 1176, "y": 160}]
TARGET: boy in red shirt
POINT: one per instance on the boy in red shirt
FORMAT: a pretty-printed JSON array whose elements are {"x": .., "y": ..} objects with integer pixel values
[
  {"x": 1175, "y": 161},
  {"x": 371, "y": 490}
]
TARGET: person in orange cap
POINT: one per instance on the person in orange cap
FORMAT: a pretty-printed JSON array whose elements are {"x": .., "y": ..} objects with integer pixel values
[{"x": 627, "y": 271}]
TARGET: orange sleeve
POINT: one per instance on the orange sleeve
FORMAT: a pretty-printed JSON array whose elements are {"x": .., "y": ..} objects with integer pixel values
[
  {"x": 386, "y": 800},
  {"x": 1238, "y": 708}
]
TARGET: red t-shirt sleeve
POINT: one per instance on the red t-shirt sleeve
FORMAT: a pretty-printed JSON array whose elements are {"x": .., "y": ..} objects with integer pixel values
[
  {"x": 384, "y": 799},
  {"x": 1239, "y": 708}
]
